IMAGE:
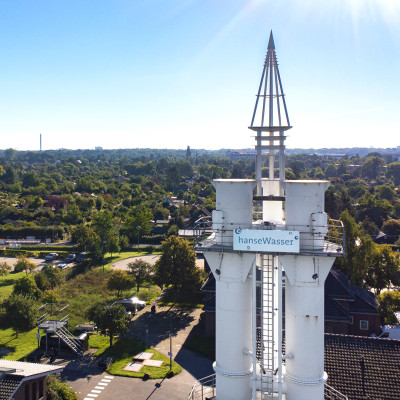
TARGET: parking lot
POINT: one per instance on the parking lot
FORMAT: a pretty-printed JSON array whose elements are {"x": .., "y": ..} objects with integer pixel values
[{"x": 40, "y": 262}]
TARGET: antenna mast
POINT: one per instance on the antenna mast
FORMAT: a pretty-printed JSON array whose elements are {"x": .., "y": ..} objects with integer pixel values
[{"x": 270, "y": 118}]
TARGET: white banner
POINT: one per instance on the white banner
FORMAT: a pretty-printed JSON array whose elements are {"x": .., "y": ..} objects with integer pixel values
[{"x": 265, "y": 241}]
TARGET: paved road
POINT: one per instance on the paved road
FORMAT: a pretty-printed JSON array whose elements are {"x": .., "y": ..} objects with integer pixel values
[
  {"x": 12, "y": 260},
  {"x": 151, "y": 259},
  {"x": 40, "y": 262},
  {"x": 86, "y": 379}
]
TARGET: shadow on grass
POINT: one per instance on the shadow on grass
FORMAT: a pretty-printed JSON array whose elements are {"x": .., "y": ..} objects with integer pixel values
[{"x": 6, "y": 282}]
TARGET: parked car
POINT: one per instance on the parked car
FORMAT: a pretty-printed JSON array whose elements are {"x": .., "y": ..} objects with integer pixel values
[
  {"x": 62, "y": 265},
  {"x": 128, "y": 311},
  {"x": 70, "y": 258},
  {"x": 140, "y": 304},
  {"x": 81, "y": 257},
  {"x": 132, "y": 304},
  {"x": 51, "y": 257}
]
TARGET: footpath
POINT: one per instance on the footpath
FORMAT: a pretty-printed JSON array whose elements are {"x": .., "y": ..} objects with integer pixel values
[{"x": 83, "y": 376}]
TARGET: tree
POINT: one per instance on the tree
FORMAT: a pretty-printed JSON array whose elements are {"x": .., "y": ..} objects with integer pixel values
[
  {"x": 4, "y": 268},
  {"x": 26, "y": 286},
  {"x": 111, "y": 320},
  {"x": 391, "y": 227},
  {"x": 371, "y": 167},
  {"x": 331, "y": 170},
  {"x": 393, "y": 171},
  {"x": 346, "y": 265},
  {"x": 389, "y": 303},
  {"x": 49, "y": 277},
  {"x": 378, "y": 210},
  {"x": 139, "y": 223},
  {"x": 141, "y": 271},
  {"x": 119, "y": 281},
  {"x": 20, "y": 312},
  {"x": 383, "y": 271},
  {"x": 49, "y": 296},
  {"x": 106, "y": 231},
  {"x": 23, "y": 264},
  {"x": 177, "y": 267}
]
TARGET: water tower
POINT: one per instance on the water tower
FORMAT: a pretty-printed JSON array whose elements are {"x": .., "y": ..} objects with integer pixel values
[{"x": 270, "y": 234}]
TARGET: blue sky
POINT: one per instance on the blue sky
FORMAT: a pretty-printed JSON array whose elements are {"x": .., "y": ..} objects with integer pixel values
[{"x": 168, "y": 74}]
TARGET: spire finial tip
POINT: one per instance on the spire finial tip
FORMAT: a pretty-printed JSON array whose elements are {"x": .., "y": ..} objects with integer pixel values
[{"x": 271, "y": 44}]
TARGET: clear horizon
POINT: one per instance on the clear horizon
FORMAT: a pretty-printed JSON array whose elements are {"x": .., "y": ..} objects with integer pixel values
[{"x": 155, "y": 75}]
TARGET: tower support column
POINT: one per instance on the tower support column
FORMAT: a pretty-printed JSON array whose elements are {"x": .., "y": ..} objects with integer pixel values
[{"x": 233, "y": 305}]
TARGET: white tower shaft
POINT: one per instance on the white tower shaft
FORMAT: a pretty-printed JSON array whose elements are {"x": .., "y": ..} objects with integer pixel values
[
  {"x": 304, "y": 315},
  {"x": 233, "y": 367}
]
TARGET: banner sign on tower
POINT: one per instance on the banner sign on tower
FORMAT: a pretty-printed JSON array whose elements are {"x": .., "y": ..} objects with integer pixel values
[{"x": 265, "y": 241}]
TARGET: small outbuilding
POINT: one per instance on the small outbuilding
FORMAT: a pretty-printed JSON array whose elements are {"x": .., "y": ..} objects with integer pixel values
[{"x": 23, "y": 380}]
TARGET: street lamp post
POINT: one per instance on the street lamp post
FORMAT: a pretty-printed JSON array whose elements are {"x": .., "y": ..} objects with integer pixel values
[{"x": 138, "y": 232}]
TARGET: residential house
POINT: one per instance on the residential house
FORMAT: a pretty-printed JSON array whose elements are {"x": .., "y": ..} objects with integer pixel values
[{"x": 23, "y": 380}]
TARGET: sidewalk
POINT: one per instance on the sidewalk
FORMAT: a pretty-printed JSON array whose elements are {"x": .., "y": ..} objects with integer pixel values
[{"x": 82, "y": 376}]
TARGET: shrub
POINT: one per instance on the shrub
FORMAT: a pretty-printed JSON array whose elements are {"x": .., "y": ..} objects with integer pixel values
[
  {"x": 149, "y": 249},
  {"x": 59, "y": 390}
]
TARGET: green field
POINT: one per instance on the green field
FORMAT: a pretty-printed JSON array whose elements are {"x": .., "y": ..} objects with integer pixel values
[
  {"x": 123, "y": 352},
  {"x": 81, "y": 292}
]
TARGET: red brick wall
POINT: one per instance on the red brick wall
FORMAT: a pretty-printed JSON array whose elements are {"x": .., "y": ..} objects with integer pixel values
[
  {"x": 20, "y": 395},
  {"x": 374, "y": 324}
]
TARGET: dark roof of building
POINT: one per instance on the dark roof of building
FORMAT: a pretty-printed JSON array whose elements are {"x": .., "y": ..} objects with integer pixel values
[
  {"x": 364, "y": 295},
  {"x": 209, "y": 305},
  {"x": 209, "y": 284},
  {"x": 334, "y": 311},
  {"x": 362, "y": 367},
  {"x": 8, "y": 385},
  {"x": 338, "y": 287}
]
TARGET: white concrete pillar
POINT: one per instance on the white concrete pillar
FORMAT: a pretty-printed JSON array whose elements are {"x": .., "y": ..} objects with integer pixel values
[
  {"x": 304, "y": 293},
  {"x": 233, "y": 367},
  {"x": 304, "y": 325}
]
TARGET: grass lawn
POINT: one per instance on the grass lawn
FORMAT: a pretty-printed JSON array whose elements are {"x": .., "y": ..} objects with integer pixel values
[
  {"x": 109, "y": 260},
  {"x": 20, "y": 347},
  {"x": 81, "y": 292},
  {"x": 123, "y": 352},
  {"x": 85, "y": 290},
  {"x": 7, "y": 282}
]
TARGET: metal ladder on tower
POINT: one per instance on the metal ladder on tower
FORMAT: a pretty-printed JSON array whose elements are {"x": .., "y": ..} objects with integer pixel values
[{"x": 269, "y": 337}]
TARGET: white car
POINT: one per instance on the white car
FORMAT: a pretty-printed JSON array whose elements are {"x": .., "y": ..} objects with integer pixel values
[{"x": 51, "y": 257}]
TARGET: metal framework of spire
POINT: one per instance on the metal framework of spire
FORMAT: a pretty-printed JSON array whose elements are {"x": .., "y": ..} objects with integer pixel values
[{"x": 270, "y": 118}]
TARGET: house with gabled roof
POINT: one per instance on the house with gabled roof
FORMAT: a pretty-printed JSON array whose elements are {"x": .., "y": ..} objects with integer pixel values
[
  {"x": 23, "y": 380},
  {"x": 349, "y": 309}
]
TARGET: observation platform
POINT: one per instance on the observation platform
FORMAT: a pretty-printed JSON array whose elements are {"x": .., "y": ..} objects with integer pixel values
[
  {"x": 313, "y": 241},
  {"x": 51, "y": 326}
]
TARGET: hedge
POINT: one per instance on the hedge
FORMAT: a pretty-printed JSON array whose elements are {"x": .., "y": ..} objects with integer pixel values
[
  {"x": 39, "y": 232},
  {"x": 51, "y": 249},
  {"x": 30, "y": 254}
]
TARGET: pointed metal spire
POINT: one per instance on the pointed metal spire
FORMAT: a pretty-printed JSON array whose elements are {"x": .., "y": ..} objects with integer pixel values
[
  {"x": 271, "y": 44},
  {"x": 270, "y": 115}
]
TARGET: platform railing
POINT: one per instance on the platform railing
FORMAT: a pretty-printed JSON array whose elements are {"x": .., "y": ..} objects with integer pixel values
[
  {"x": 203, "y": 389},
  {"x": 315, "y": 239},
  {"x": 332, "y": 394}
]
